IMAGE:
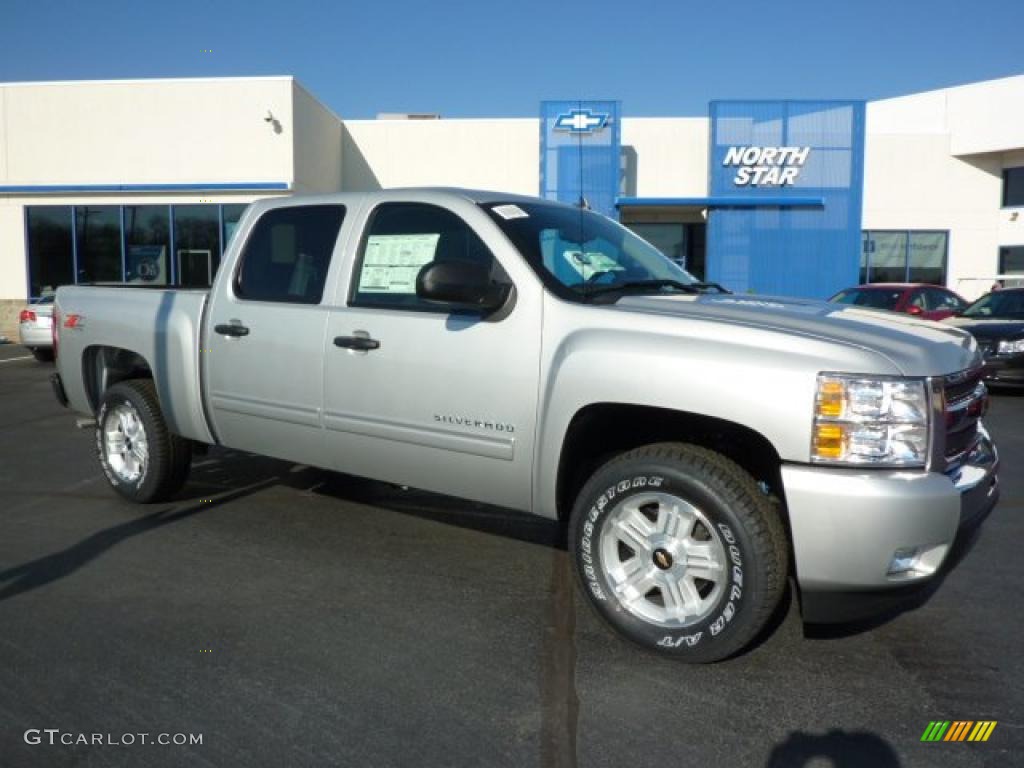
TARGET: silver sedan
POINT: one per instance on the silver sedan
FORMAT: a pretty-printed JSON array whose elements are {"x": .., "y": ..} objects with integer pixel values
[{"x": 35, "y": 323}]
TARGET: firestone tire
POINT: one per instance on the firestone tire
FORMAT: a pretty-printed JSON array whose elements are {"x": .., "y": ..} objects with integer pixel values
[
  {"x": 678, "y": 549},
  {"x": 142, "y": 459},
  {"x": 43, "y": 354}
]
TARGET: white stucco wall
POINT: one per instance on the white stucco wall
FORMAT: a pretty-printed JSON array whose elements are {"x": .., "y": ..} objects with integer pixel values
[
  {"x": 146, "y": 131},
  {"x": 935, "y": 160},
  {"x": 501, "y": 154},
  {"x": 317, "y": 144},
  {"x": 188, "y": 131},
  {"x": 672, "y": 155}
]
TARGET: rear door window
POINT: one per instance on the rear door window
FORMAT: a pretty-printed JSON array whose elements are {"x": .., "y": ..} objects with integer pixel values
[{"x": 288, "y": 253}]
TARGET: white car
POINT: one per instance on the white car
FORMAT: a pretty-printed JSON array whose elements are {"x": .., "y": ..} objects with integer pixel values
[{"x": 35, "y": 328}]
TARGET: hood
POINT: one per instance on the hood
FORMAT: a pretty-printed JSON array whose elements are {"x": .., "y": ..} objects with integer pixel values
[
  {"x": 913, "y": 346},
  {"x": 988, "y": 328}
]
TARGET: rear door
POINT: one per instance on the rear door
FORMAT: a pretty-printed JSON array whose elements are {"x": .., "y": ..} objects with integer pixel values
[
  {"x": 436, "y": 399},
  {"x": 265, "y": 334}
]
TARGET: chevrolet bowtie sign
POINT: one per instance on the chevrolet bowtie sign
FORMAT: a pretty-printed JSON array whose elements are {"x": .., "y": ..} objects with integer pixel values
[
  {"x": 581, "y": 121},
  {"x": 766, "y": 166}
]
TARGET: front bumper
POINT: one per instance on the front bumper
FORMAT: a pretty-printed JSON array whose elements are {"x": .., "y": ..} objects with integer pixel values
[{"x": 848, "y": 524}]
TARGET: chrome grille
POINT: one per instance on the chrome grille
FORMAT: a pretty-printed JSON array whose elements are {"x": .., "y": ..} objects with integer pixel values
[{"x": 965, "y": 399}]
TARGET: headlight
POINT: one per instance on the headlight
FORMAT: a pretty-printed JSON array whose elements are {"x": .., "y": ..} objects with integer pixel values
[
  {"x": 1010, "y": 347},
  {"x": 872, "y": 421}
]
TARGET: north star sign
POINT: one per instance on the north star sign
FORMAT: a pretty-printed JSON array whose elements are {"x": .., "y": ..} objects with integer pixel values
[
  {"x": 581, "y": 121},
  {"x": 766, "y": 166}
]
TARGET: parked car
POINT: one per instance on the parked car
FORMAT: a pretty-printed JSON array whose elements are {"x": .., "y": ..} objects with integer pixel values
[
  {"x": 538, "y": 357},
  {"x": 35, "y": 328},
  {"x": 932, "y": 302},
  {"x": 996, "y": 320}
]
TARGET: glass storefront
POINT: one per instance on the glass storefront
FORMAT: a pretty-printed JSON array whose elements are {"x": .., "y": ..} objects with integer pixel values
[
  {"x": 196, "y": 244},
  {"x": 148, "y": 244},
  {"x": 903, "y": 256},
  {"x": 51, "y": 259},
  {"x": 98, "y": 242},
  {"x": 683, "y": 243}
]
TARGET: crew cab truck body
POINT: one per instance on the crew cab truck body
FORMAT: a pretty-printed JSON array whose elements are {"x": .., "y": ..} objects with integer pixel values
[{"x": 701, "y": 447}]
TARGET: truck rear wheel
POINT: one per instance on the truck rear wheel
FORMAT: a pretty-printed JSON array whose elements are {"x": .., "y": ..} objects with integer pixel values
[
  {"x": 141, "y": 458},
  {"x": 679, "y": 550}
]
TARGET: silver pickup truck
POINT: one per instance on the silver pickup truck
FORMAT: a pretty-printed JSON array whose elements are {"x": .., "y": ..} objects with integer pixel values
[{"x": 701, "y": 447}]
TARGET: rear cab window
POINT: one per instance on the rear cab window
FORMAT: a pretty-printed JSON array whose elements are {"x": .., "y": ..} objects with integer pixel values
[{"x": 288, "y": 254}]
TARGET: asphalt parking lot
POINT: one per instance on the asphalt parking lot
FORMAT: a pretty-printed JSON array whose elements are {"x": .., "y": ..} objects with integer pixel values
[{"x": 294, "y": 617}]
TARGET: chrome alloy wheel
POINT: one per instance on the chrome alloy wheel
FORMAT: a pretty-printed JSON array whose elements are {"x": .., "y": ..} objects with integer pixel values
[
  {"x": 124, "y": 443},
  {"x": 663, "y": 559}
]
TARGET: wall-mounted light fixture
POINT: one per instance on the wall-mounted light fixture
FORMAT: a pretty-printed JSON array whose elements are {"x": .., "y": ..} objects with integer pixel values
[{"x": 273, "y": 121}]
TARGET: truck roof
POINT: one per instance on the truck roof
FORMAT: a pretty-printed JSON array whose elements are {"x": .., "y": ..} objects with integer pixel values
[{"x": 441, "y": 193}]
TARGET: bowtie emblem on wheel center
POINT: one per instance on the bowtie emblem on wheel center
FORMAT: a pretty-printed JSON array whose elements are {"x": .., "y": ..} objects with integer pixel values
[{"x": 662, "y": 559}]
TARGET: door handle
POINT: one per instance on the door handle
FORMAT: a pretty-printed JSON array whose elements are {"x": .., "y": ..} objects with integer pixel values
[
  {"x": 361, "y": 343},
  {"x": 231, "y": 329}
]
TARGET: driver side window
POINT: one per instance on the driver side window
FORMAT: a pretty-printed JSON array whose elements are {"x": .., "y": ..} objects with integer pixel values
[{"x": 400, "y": 239}]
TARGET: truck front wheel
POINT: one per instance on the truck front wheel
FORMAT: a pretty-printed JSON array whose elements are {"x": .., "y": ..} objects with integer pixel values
[
  {"x": 141, "y": 458},
  {"x": 679, "y": 550}
]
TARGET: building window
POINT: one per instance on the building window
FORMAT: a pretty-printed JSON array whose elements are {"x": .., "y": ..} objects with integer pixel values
[
  {"x": 904, "y": 256},
  {"x": 132, "y": 243},
  {"x": 196, "y": 244},
  {"x": 231, "y": 214},
  {"x": 147, "y": 238},
  {"x": 1013, "y": 187},
  {"x": 51, "y": 260},
  {"x": 98, "y": 243},
  {"x": 1011, "y": 260}
]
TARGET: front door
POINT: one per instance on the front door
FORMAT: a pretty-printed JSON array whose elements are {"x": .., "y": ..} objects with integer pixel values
[
  {"x": 265, "y": 346},
  {"x": 416, "y": 393}
]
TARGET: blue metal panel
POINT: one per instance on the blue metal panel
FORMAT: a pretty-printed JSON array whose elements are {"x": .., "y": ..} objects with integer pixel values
[
  {"x": 779, "y": 247},
  {"x": 242, "y": 186},
  {"x": 720, "y": 202},
  {"x": 580, "y": 147}
]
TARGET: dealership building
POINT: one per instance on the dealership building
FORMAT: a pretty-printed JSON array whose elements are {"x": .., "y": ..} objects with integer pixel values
[{"x": 144, "y": 180}]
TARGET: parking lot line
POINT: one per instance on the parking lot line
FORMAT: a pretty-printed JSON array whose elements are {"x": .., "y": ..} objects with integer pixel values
[{"x": 14, "y": 359}]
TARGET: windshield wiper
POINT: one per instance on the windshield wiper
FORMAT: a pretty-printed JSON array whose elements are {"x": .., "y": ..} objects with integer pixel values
[{"x": 613, "y": 293}]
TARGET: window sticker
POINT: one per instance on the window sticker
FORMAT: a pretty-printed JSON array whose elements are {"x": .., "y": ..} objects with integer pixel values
[
  {"x": 510, "y": 212},
  {"x": 391, "y": 262},
  {"x": 591, "y": 263}
]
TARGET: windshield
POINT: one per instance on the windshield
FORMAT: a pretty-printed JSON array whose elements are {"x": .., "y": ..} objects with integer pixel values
[
  {"x": 1008, "y": 304},
  {"x": 580, "y": 254},
  {"x": 875, "y": 298}
]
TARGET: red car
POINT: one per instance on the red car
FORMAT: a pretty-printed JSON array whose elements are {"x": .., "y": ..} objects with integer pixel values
[{"x": 932, "y": 302}]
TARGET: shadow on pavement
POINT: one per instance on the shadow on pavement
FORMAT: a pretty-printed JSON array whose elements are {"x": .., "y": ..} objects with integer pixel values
[
  {"x": 49, "y": 568},
  {"x": 842, "y": 749}
]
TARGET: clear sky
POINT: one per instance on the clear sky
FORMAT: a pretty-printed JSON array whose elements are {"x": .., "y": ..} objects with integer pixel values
[{"x": 501, "y": 57}]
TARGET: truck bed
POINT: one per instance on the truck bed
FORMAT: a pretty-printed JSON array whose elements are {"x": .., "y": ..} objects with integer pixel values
[{"x": 162, "y": 325}]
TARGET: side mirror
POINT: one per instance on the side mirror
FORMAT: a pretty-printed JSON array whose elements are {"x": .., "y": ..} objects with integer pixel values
[
  {"x": 914, "y": 310},
  {"x": 461, "y": 285}
]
